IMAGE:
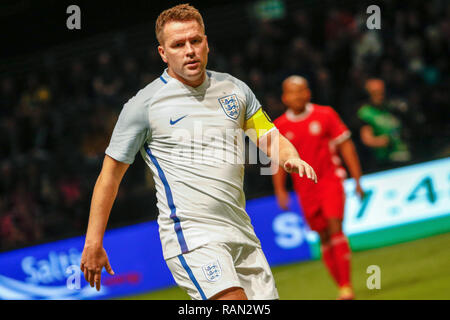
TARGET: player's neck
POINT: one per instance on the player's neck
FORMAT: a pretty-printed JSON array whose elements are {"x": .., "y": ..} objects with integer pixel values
[
  {"x": 300, "y": 114},
  {"x": 194, "y": 83},
  {"x": 299, "y": 111}
]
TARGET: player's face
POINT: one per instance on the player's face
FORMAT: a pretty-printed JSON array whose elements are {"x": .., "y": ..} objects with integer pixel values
[
  {"x": 185, "y": 50},
  {"x": 377, "y": 95},
  {"x": 295, "y": 96}
]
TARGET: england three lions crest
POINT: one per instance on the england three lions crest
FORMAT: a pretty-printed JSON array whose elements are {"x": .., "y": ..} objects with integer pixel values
[
  {"x": 212, "y": 271},
  {"x": 230, "y": 106}
]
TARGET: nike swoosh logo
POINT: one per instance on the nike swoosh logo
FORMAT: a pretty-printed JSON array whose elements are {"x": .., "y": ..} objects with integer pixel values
[{"x": 172, "y": 122}]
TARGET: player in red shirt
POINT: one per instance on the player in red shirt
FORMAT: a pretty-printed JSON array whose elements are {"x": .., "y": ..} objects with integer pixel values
[{"x": 318, "y": 132}]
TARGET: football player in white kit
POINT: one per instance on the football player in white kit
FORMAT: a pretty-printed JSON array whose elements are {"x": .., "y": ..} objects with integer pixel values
[{"x": 207, "y": 238}]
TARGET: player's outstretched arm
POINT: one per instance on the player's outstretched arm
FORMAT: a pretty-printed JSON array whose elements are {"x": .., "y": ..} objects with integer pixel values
[
  {"x": 282, "y": 152},
  {"x": 94, "y": 256}
]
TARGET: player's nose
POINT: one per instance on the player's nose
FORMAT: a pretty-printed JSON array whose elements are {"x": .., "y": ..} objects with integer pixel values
[{"x": 189, "y": 50}]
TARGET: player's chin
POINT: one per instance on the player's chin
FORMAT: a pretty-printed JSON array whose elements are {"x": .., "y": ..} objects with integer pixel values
[
  {"x": 191, "y": 71},
  {"x": 193, "y": 75}
]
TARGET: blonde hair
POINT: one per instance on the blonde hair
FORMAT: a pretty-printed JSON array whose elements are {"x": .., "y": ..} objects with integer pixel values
[{"x": 181, "y": 12}]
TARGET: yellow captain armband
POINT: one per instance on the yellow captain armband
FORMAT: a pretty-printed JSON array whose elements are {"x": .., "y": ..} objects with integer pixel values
[{"x": 258, "y": 125}]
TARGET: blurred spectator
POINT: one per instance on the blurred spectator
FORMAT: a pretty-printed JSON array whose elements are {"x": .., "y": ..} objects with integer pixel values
[
  {"x": 256, "y": 81},
  {"x": 10, "y": 235},
  {"x": 77, "y": 82},
  {"x": 130, "y": 76},
  {"x": 95, "y": 138},
  {"x": 381, "y": 129},
  {"x": 9, "y": 97},
  {"x": 324, "y": 87},
  {"x": 106, "y": 82},
  {"x": 20, "y": 221}
]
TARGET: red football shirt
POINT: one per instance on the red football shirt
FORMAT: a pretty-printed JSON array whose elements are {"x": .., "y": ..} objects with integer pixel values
[{"x": 315, "y": 134}]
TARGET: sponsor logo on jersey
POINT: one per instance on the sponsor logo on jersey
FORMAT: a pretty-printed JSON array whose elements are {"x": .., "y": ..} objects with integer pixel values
[
  {"x": 230, "y": 106},
  {"x": 172, "y": 122}
]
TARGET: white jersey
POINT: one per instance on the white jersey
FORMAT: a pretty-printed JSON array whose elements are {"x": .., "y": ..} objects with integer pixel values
[{"x": 183, "y": 134}]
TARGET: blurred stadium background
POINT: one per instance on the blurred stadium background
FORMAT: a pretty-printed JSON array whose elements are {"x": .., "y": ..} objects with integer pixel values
[{"x": 62, "y": 91}]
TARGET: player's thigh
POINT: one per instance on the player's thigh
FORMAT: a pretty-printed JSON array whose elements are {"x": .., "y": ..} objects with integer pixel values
[
  {"x": 205, "y": 271},
  {"x": 233, "y": 293},
  {"x": 312, "y": 210},
  {"x": 255, "y": 274},
  {"x": 333, "y": 203},
  {"x": 315, "y": 219}
]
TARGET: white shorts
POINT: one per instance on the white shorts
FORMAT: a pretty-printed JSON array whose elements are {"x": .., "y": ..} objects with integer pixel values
[{"x": 214, "y": 267}]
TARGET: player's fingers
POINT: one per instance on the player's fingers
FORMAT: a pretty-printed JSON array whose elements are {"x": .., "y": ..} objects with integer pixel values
[
  {"x": 97, "y": 278},
  {"x": 86, "y": 274},
  {"x": 308, "y": 172},
  {"x": 108, "y": 268},
  {"x": 313, "y": 174},
  {"x": 281, "y": 203},
  {"x": 82, "y": 267},
  {"x": 91, "y": 277},
  {"x": 301, "y": 170}
]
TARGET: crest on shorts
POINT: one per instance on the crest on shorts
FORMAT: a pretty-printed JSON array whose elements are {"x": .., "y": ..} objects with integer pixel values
[
  {"x": 212, "y": 271},
  {"x": 230, "y": 106}
]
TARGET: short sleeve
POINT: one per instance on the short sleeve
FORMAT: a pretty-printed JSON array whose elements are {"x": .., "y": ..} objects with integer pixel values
[
  {"x": 130, "y": 132},
  {"x": 251, "y": 102},
  {"x": 365, "y": 115},
  {"x": 337, "y": 129}
]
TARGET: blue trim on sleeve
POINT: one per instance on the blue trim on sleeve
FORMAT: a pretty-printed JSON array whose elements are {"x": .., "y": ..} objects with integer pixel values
[
  {"x": 191, "y": 276},
  {"x": 173, "y": 209}
]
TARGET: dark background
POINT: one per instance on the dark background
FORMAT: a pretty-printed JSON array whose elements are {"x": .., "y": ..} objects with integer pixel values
[
  {"x": 55, "y": 124},
  {"x": 32, "y": 26}
]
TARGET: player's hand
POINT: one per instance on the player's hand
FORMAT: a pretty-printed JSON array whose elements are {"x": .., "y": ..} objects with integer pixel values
[
  {"x": 359, "y": 190},
  {"x": 301, "y": 167},
  {"x": 283, "y": 199},
  {"x": 93, "y": 259}
]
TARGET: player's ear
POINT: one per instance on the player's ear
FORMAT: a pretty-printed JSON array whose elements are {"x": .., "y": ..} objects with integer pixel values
[
  {"x": 283, "y": 99},
  {"x": 309, "y": 94},
  {"x": 162, "y": 53},
  {"x": 206, "y": 39}
]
